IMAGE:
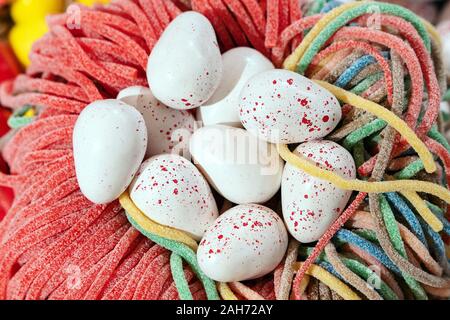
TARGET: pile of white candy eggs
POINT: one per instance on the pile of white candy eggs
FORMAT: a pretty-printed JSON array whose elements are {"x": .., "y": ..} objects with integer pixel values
[{"x": 239, "y": 89}]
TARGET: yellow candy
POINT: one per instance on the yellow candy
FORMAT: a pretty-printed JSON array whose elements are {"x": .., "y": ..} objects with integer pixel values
[
  {"x": 22, "y": 37},
  {"x": 30, "y": 113},
  {"x": 27, "y": 11},
  {"x": 92, "y": 2}
]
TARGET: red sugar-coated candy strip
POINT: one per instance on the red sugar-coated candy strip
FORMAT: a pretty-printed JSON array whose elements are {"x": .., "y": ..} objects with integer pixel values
[
  {"x": 41, "y": 281},
  {"x": 19, "y": 239},
  {"x": 442, "y": 153},
  {"x": 408, "y": 56},
  {"x": 68, "y": 292},
  {"x": 44, "y": 100},
  {"x": 230, "y": 22},
  {"x": 121, "y": 38},
  {"x": 90, "y": 267},
  {"x": 113, "y": 261},
  {"x": 10, "y": 182},
  {"x": 139, "y": 271},
  {"x": 59, "y": 192},
  {"x": 127, "y": 72},
  {"x": 51, "y": 138},
  {"x": 9, "y": 257},
  {"x": 295, "y": 15},
  {"x": 368, "y": 49},
  {"x": 172, "y": 293},
  {"x": 30, "y": 191},
  {"x": 138, "y": 241},
  {"x": 290, "y": 33},
  {"x": 46, "y": 218},
  {"x": 128, "y": 264},
  {"x": 142, "y": 22},
  {"x": 41, "y": 63},
  {"x": 273, "y": 23},
  {"x": 51, "y": 112},
  {"x": 42, "y": 173},
  {"x": 247, "y": 25},
  {"x": 158, "y": 278},
  {"x": 82, "y": 60},
  {"x": 324, "y": 240},
  {"x": 172, "y": 9},
  {"x": 27, "y": 273},
  {"x": 150, "y": 12},
  {"x": 115, "y": 292},
  {"x": 113, "y": 20},
  {"x": 263, "y": 5},
  {"x": 85, "y": 248},
  {"x": 268, "y": 291},
  {"x": 43, "y": 156},
  {"x": 40, "y": 246},
  {"x": 25, "y": 83},
  {"x": 295, "y": 11},
  {"x": 167, "y": 284},
  {"x": 257, "y": 15},
  {"x": 283, "y": 12},
  {"x": 104, "y": 50},
  {"x": 198, "y": 293},
  {"x": 222, "y": 34},
  {"x": 36, "y": 130},
  {"x": 151, "y": 275},
  {"x": 161, "y": 13}
]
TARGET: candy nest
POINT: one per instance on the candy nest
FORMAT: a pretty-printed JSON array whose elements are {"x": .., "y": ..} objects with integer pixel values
[{"x": 381, "y": 61}]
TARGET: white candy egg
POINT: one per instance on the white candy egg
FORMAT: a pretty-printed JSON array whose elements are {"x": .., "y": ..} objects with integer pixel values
[
  {"x": 311, "y": 205},
  {"x": 446, "y": 51},
  {"x": 171, "y": 191},
  {"x": 245, "y": 242},
  {"x": 109, "y": 143},
  {"x": 281, "y": 106},
  {"x": 169, "y": 130},
  {"x": 185, "y": 66},
  {"x": 239, "y": 65},
  {"x": 241, "y": 167}
]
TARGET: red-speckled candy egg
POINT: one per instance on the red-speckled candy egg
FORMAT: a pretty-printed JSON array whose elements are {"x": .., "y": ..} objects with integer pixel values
[
  {"x": 311, "y": 205},
  {"x": 281, "y": 106},
  {"x": 171, "y": 191},
  {"x": 109, "y": 143},
  {"x": 185, "y": 66},
  {"x": 169, "y": 130},
  {"x": 245, "y": 242}
]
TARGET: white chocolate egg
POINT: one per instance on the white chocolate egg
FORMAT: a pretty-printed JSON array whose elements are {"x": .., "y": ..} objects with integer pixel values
[
  {"x": 281, "y": 106},
  {"x": 185, "y": 66},
  {"x": 246, "y": 242},
  {"x": 171, "y": 191},
  {"x": 241, "y": 167},
  {"x": 109, "y": 143},
  {"x": 311, "y": 205},
  {"x": 239, "y": 65},
  {"x": 169, "y": 130},
  {"x": 444, "y": 31}
]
